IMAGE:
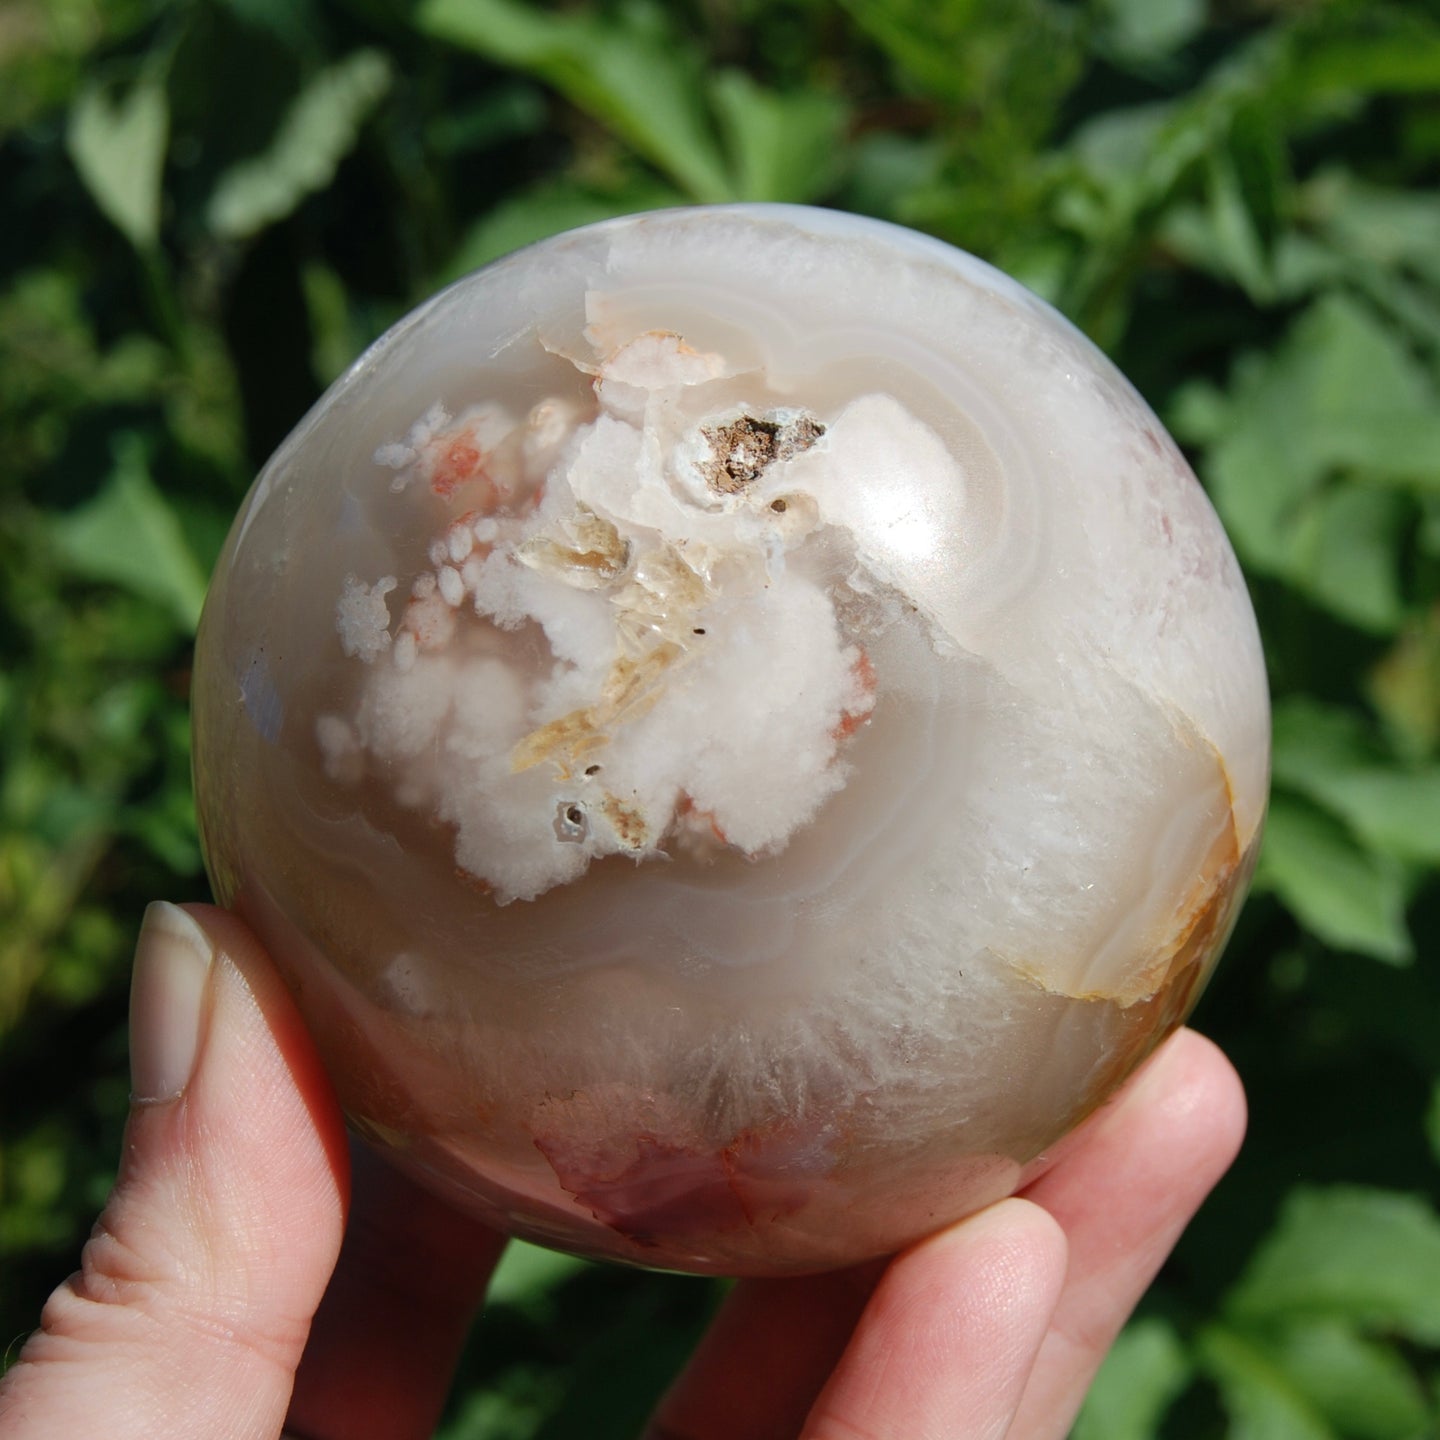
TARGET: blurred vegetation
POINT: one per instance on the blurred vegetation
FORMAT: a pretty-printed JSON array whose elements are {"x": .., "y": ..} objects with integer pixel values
[{"x": 212, "y": 205}]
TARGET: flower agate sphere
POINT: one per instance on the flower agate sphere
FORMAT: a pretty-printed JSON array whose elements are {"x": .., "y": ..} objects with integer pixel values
[{"x": 740, "y": 729}]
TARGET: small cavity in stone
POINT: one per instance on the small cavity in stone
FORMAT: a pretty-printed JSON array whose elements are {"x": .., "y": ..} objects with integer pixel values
[
  {"x": 744, "y": 449},
  {"x": 570, "y": 822}
]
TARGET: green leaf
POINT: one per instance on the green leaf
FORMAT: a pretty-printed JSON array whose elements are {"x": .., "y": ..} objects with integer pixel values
[
  {"x": 1261, "y": 1399},
  {"x": 69, "y": 813},
  {"x": 1143, "y": 1374},
  {"x": 1341, "y": 392},
  {"x": 333, "y": 339},
  {"x": 513, "y": 1408},
  {"x": 887, "y": 171},
  {"x": 1394, "y": 811},
  {"x": 502, "y": 113},
  {"x": 1346, "y": 554},
  {"x": 527, "y": 1275},
  {"x": 629, "y": 71},
  {"x": 1370, "y": 1258},
  {"x": 1147, "y": 156},
  {"x": 1375, "y": 241},
  {"x": 1392, "y": 51},
  {"x": 1341, "y": 404},
  {"x": 317, "y": 132},
  {"x": 923, "y": 37},
  {"x": 118, "y": 147},
  {"x": 35, "y": 1181},
  {"x": 1246, "y": 182},
  {"x": 1361, "y": 1387},
  {"x": 1384, "y": 226},
  {"x": 1327, "y": 755},
  {"x": 784, "y": 147},
  {"x": 1020, "y": 56},
  {"x": 46, "y": 45},
  {"x": 129, "y": 536},
  {"x": 1151, "y": 29},
  {"x": 1346, "y": 896},
  {"x": 294, "y": 22},
  {"x": 1115, "y": 149},
  {"x": 1003, "y": 70},
  {"x": 1405, "y": 686},
  {"x": 548, "y": 209},
  {"x": 168, "y": 830}
]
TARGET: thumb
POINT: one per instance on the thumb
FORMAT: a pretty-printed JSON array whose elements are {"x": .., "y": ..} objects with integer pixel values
[{"x": 197, "y": 1287}]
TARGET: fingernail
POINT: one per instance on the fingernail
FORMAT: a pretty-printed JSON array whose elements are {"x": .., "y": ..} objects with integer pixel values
[{"x": 167, "y": 1001}]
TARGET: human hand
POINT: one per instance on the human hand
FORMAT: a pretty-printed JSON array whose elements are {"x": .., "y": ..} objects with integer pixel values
[{"x": 194, "y": 1312}]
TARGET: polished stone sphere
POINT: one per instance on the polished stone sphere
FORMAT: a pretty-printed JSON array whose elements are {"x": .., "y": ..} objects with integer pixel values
[{"x": 740, "y": 729}]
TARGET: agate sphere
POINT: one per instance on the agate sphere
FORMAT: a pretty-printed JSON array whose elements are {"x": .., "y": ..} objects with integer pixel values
[{"x": 740, "y": 729}]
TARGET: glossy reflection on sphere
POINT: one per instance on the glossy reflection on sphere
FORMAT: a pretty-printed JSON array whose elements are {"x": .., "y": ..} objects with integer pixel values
[{"x": 740, "y": 728}]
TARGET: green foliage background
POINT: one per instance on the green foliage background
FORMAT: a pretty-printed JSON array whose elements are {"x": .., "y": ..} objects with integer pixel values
[{"x": 211, "y": 205}]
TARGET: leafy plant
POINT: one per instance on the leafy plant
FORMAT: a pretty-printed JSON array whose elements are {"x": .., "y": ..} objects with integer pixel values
[{"x": 215, "y": 204}]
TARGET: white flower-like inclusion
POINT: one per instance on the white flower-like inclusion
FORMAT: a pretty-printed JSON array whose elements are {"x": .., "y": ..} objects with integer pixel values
[
  {"x": 697, "y": 684},
  {"x": 740, "y": 728}
]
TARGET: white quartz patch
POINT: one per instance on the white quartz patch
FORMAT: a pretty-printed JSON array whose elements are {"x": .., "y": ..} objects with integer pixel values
[
  {"x": 619, "y": 658},
  {"x": 891, "y": 482},
  {"x": 363, "y": 618}
]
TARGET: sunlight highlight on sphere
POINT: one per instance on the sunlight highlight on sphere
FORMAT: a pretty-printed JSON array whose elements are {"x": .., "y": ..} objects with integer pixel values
[{"x": 740, "y": 728}]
